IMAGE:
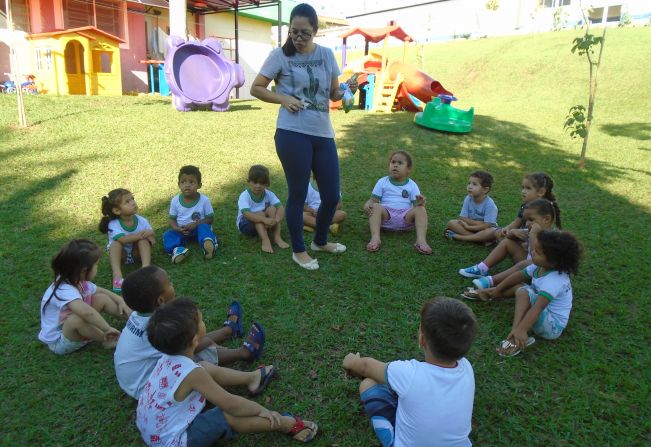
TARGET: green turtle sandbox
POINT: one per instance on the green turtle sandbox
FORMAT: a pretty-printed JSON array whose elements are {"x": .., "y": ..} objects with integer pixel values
[{"x": 440, "y": 115}]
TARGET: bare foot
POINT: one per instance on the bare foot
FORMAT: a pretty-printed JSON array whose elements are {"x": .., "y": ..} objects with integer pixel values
[
  {"x": 280, "y": 243},
  {"x": 266, "y": 247},
  {"x": 373, "y": 245}
]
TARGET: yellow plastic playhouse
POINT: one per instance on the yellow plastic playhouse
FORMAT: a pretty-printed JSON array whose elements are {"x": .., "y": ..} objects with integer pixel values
[{"x": 77, "y": 61}]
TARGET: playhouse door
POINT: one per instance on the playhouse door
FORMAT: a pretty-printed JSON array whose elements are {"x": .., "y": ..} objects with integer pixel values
[{"x": 75, "y": 72}]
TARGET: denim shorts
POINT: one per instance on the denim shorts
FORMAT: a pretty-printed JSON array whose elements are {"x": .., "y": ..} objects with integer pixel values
[
  {"x": 379, "y": 400},
  {"x": 396, "y": 220},
  {"x": 547, "y": 325},
  {"x": 64, "y": 346},
  {"x": 207, "y": 355},
  {"x": 247, "y": 227},
  {"x": 207, "y": 428}
]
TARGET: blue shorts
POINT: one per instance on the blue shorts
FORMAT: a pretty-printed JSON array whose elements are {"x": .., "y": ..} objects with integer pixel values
[
  {"x": 207, "y": 428},
  {"x": 247, "y": 227},
  {"x": 547, "y": 325},
  {"x": 379, "y": 400}
]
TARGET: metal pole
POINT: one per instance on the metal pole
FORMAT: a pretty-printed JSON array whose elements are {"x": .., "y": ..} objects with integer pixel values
[
  {"x": 280, "y": 23},
  {"x": 237, "y": 43},
  {"x": 15, "y": 69}
]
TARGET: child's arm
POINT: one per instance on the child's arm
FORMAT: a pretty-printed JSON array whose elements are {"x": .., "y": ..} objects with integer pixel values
[
  {"x": 280, "y": 213},
  {"x": 473, "y": 225},
  {"x": 365, "y": 367},
  {"x": 194, "y": 224},
  {"x": 259, "y": 218},
  {"x": 175, "y": 226},
  {"x": 420, "y": 200},
  {"x": 520, "y": 333},
  {"x": 200, "y": 380},
  {"x": 135, "y": 237},
  {"x": 368, "y": 206},
  {"x": 117, "y": 299},
  {"x": 92, "y": 317},
  {"x": 307, "y": 209}
]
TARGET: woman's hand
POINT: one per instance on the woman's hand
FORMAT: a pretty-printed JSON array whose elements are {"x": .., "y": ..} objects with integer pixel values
[
  {"x": 353, "y": 84},
  {"x": 292, "y": 104}
]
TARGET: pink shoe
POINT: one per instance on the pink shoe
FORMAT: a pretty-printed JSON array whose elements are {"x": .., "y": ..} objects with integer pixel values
[{"x": 117, "y": 285}]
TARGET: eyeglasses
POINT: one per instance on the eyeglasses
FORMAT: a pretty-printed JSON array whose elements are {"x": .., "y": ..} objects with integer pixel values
[{"x": 302, "y": 34}]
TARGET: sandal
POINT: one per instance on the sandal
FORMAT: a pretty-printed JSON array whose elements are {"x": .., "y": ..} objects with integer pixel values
[
  {"x": 423, "y": 249},
  {"x": 449, "y": 234},
  {"x": 117, "y": 285},
  {"x": 300, "y": 426},
  {"x": 470, "y": 293},
  {"x": 254, "y": 342},
  {"x": 508, "y": 349},
  {"x": 265, "y": 378},
  {"x": 235, "y": 309},
  {"x": 372, "y": 247}
]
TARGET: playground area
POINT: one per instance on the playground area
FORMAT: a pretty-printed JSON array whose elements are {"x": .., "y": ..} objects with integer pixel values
[{"x": 587, "y": 388}]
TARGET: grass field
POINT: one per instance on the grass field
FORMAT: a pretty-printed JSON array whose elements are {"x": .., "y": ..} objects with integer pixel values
[{"x": 590, "y": 387}]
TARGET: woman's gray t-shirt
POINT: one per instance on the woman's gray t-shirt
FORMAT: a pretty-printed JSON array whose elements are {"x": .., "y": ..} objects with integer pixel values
[{"x": 307, "y": 77}]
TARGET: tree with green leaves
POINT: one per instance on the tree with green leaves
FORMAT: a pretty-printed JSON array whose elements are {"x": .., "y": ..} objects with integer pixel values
[{"x": 579, "y": 120}]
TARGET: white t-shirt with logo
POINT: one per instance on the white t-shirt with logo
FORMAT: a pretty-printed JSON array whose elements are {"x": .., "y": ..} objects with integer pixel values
[
  {"x": 161, "y": 419},
  {"x": 248, "y": 203},
  {"x": 434, "y": 403},
  {"x": 554, "y": 286},
  {"x": 313, "y": 198},
  {"x": 185, "y": 213},
  {"x": 54, "y": 307},
  {"x": 134, "y": 357},
  {"x": 394, "y": 195},
  {"x": 117, "y": 228}
]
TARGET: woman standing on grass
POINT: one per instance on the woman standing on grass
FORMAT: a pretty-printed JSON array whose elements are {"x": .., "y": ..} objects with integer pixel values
[{"x": 306, "y": 78}]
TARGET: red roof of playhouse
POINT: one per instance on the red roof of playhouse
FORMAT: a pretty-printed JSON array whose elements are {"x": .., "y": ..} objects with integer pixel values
[
  {"x": 83, "y": 31},
  {"x": 376, "y": 35}
]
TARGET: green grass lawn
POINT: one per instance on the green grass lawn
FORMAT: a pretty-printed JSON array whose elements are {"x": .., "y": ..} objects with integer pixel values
[{"x": 590, "y": 387}]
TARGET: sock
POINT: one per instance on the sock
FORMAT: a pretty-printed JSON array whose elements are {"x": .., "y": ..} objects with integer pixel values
[
  {"x": 490, "y": 281},
  {"x": 483, "y": 268}
]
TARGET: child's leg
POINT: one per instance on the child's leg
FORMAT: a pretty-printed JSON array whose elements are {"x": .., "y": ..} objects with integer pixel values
[
  {"x": 485, "y": 235},
  {"x": 144, "y": 251},
  {"x": 232, "y": 377},
  {"x": 496, "y": 279},
  {"x": 418, "y": 215},
  {"x": 455, "y": 226},
  {"x": 115, "y": 258},
  {"x": 339, "y": 216},
  {"x": 381, "y": 405},
  {"x": 507, "y": 247},
  {"x": 375, "y": 220},
  {"x": 103, "y": 303},
  {"x": 309, "y": 220},
  {"x": 255, "y": 424},
  {"x": 271, "y": 212},
  {"x": 76, "y": 329},
  {"x": 171, "y": 240},
  {"x": 522, "y": 305}
]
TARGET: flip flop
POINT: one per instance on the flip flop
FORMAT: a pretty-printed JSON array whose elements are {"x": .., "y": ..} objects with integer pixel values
[
  {"x": 255, "y": 337},
  {"x": 423, "y": 249},
  {"x": 300, "y": 426},
  {"x": 372, "y": 247},
  {"x": 265, "y": 378},
  {"x": 449, "y": 234},
  {"x": 512, "y": 348},
  {"x": 470, "y": 293},
  {"x": 235, "y": 309}
]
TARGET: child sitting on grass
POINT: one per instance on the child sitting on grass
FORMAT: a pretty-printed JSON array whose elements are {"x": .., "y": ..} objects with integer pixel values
[
  {"x": 191, "y": 217},
  {"x": 311, "y": 209},
  {"x": 135, "y": 358},
  {"x": 171, "y": 407},
  {"x": 71, "y": 306},
  {"x": 130, "y": 236},
  {"x": 396, "y": 204},
  {"x": 260, "y": 210},
  {"x": 413, "y": 403},
  {"x": 543, "y": 306},
  {"x": 478, "y": 217}
]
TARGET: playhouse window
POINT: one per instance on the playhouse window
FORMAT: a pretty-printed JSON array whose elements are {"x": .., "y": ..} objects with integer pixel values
[
  {"x": 20, "y": 14},
  {"x": 48, "y": 58},
  {"x": 103, "y": 61},
  {"x": 37, "y": 59}
]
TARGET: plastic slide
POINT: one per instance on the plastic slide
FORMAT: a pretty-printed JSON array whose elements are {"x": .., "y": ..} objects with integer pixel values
[
  {"x": 416, "y": 84},
  {"x": 198, "y": 74}
]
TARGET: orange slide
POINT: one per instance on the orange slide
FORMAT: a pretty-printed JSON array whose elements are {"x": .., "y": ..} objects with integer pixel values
[{"x": 415, "y": 83}]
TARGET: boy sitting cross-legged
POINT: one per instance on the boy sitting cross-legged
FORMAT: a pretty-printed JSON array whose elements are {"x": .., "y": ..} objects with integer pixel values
[
  {"x": 135, "y": 357},
  {"x": 414, "y": 403},
  {"x": 170, "y": 408}
]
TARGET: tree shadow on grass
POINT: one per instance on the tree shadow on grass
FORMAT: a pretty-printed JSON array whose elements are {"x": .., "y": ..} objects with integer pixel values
[{"x": 637, "y": 131}]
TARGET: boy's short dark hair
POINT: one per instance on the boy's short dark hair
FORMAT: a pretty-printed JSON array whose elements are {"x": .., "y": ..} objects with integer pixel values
[
  {"x": 142, "y": 288},
  {"x": 485, "y": 179},
  {"x": 190, "y": 170},
  {"x": 173, "y": 325},
  {"x": 259, "y": 174},
  {"x": 449, "y": 328}
]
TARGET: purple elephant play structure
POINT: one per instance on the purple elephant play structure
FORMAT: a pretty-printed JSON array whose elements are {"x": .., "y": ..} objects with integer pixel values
[{"x": 198, "y": 74}]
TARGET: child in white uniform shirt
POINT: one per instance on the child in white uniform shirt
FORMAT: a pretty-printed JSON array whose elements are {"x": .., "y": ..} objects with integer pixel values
[
  {"x": 419, "y": 404},
  {"x": 311, "y": 208},
  {"x": 259, "y": 210},
  {"x": 396, "y": 204}
]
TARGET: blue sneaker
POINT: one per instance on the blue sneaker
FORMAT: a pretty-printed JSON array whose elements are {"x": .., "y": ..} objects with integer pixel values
[
  {"x": 179, "y": 254},
  {"x": 482, "y": 283},
  {"x": 471, "y": 272},
  {"x": 383, "y": 430}
]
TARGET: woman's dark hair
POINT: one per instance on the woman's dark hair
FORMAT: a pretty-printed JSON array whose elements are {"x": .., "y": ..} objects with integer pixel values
[
  {"x": 74, "y": 258},
  {"x": 542, "y": 180},
  {"x": 302, "y": 10},
  {"x": 110, "y": 201},
  {"x": 562, "y": 250},
  {"x": 544, "y": 207},
  {"x": 173, "y": 325},
  {"x": 405, "y": 154}
]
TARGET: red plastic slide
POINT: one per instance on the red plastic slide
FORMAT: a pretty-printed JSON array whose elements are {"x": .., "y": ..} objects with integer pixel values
[{"x": 416, "y": 83}]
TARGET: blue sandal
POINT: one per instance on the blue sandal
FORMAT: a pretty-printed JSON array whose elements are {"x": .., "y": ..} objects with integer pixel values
[
  {"x": 265, "y": 378},
  {"x": 254, "y": 342},
  {"x": 236, "y": 326}
]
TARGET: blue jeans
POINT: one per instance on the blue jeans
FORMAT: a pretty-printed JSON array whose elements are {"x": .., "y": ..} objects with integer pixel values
[
  {"x": 301, "y": 154},
  {"x": 207, "y": 428},
  {"x": 173, "y": 238}
]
